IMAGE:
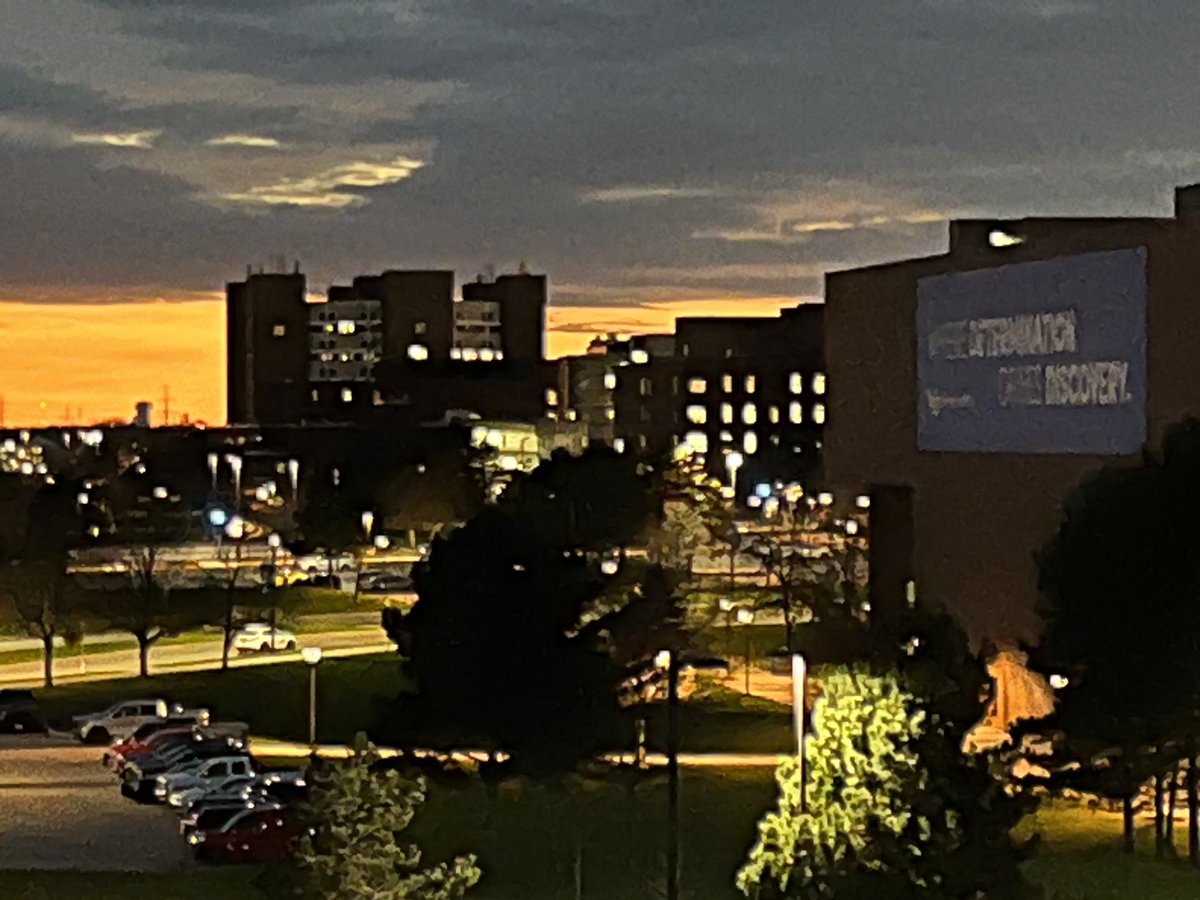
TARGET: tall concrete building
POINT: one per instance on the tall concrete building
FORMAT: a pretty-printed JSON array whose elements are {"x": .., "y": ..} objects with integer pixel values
[
  {"x": 267, "y": 347},
  {"x": 520, "y": 301},
  {"x": 971, "y": 392}
]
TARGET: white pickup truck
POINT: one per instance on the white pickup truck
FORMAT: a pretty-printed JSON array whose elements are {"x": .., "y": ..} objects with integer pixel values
[
  {"x": 121, "y": 720},
  {"x": 202, "y": 773}
]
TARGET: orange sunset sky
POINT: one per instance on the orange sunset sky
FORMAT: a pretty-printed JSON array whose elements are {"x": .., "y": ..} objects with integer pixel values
[{"x": 90, "y": 362}]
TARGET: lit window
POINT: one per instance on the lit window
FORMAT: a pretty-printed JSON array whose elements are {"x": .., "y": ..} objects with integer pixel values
[
  {"x": 684, "y": 350},
  {"x": 487, "y": 354},
  {"x": 499, "y": 354},
  {"x": 419, "y": 328},
  {"x": 347, "y": 395},
  {"x": 610, "y": 414},
  {"x": 639, "y": 357},
  {"x": 610, "y": 381},
  {"x": 329, "y": 329},
  {"x": 697, "y": 415},
  {"x": 819, "y": 413},
  {"x": 749, "y": 414},
  {"x": 998, "y": 238},
  {"x": 315, "y": 395},
  {"x": 750, "y": 442},
  {"x": 773, "y": 414},
  {"x": 619, "y": 444},
  {"x": 819, "y": 383},
  {"x": 456, "y": 352},
  {"x": 697, "y": 385},
  {"x": 795, "y": 383},
  {"x": 795, "y": 412},
  {"x": 750, "y": 384},
  {"x": 572, "y": 415},
  {"x": 551, "y": 397},
  {"x": 470, "y": 354},
  {"x": 642, "y": 441},
  {"x": 418, "y": 352},
  {"x": 727, "y": 413},
  {"x": 278, "y": 330},
  {"x": 726, "y": 436},
  {"x": 727, "y": 383},
  {"x": 376, "y": 398},
  {"x": 346, "y": 326},
  {"x": 862, "y": 501},
  {"x": 696, "y": 441},
  {"x": 646, "y": 388}
]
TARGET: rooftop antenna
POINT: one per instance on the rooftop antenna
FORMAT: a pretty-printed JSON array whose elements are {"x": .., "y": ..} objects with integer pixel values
[
  {"x": 166, "y": 405},
  {"x": 523, "y": 268}
]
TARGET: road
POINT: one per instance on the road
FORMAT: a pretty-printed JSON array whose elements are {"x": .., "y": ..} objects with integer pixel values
[
  {"x": 195, "y": 655},
  {"x": 59, "y": 809}
]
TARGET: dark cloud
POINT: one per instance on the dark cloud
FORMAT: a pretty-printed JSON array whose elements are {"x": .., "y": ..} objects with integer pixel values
[{"x": 765, "y": 119}]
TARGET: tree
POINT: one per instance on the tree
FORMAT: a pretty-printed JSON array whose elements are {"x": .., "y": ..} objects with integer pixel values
[
  {"x": 692, "y": 514},
  {"x": 358, "y": 810},
  {"x": 890, "y": 807},
  {"x": 1120, "y": 580},
  {"x": 43, "y": 595},
  {"x": 330, "y": 521},
  {"x": 518, "y": 641}
]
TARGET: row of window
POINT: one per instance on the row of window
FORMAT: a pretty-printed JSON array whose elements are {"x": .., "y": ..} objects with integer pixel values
[
  {"x": 357, "y": 356},
  {"x": 480, "y": 354},
  {"x": 697, "y": 384},
  {"x": 365, "y": 313},
  {"x": 346, "y": 395},
  {"x": 698, "y": 415},
  {"x": 345, "y": 373}
]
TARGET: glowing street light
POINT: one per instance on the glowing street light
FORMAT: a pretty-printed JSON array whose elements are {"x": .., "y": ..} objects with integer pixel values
[
  {"x": 746, "y": 617},
  {"x": 733, "y": 462},
  {"x": 368, "y": 522},
  {"x": 312, "y": 658},
  {"x": 293, "y": 468},
  {"x": 213, "y": 462},
  {"x": 235, "y": 463},
  {"x": 799, "y": 695}
]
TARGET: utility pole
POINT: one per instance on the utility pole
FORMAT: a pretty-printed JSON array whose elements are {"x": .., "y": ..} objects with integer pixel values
[{"x": 166, "y": 405}]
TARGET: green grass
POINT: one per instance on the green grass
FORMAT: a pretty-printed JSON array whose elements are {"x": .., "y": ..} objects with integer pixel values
[
  {"x": 272, "y": 699},
  {"x": 207, "y": 884},
  {"x": 308, "y": 601},
  {"x": 1080, "y": 858},
  {"x": 730, "y": 644}
]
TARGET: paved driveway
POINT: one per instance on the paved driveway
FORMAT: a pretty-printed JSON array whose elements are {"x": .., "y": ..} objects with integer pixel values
[{"x": 60, "y": 809}]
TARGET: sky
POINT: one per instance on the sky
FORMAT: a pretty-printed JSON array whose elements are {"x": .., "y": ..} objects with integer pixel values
[{"x": 654, "y": 157}]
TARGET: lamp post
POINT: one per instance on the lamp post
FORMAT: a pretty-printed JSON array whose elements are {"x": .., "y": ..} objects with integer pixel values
[
  {"x": 745, "y": 617},
  {"x": 726, "y": 606},
  {"x": 669, "y": 659},
  {"x": 799, "y": 696},
  {"x": 733, "y": 462},
  {"x": 218, "y": 519},
  {"x": 312, "y": 657},
  {"x": 235, "y": 463},
  {"x": 293, "y": 469},
  {"x": 213, "y": 461},
  {"x": 274, "y": 541}
]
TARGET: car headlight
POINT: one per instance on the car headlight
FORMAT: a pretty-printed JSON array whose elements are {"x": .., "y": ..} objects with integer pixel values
[{"x": 196, "y": 837}]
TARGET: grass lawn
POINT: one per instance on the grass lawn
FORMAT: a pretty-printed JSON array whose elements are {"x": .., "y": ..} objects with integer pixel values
[
  {"x": 201, "y": 885},
  {"x": 532, "y": 839},
  {"x": 272, "y": 699}
]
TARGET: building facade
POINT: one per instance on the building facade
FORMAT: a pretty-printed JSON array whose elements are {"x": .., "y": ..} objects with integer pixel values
[{"x": 971, "y": 392}]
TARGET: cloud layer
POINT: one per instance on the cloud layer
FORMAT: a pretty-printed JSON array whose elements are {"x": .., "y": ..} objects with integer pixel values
[{"x": 682, "y": 151}]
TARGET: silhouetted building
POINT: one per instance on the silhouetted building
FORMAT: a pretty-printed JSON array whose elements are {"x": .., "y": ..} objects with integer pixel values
[
  {"x": 267, "y": 347},
  {"x": 753, "y": 386},
  {"x": 972, "y": 391},
  {"x": 520, "y": 302}
]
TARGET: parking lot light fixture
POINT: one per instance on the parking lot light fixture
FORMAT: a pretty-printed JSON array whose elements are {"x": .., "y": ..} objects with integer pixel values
[
  {"x": 746, "y": 617},
  {"x": 312, "y": 657}
]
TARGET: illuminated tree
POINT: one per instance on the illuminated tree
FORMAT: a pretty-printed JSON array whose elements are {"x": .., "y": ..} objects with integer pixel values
[
  {"x": 894, "y": 810},
  {"x": 357, "y": 813}
]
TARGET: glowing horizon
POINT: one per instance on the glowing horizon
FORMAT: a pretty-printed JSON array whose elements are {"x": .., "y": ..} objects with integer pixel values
[{"x": 81, "y": 363}]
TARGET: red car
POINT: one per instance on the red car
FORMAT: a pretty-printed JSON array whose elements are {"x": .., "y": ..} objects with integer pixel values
[
  {"x": 253, "y": 836},
  {"x": 135, "y": 746}
]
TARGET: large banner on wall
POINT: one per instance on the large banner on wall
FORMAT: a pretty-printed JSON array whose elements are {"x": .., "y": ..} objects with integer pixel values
[{"x": 1039, "y": 357}]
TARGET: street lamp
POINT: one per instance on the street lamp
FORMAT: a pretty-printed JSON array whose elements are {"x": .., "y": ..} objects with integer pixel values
[
  {"x": 368, "y": 521},
  {"x": 213, "y": 461},
  {"x": 733, "y": 462},
  {"x": 274, "y": 541},
  {"x": 745, "y": 617},
  {"x": 235, "y": 463},
  {"x": 312, "y": 657},
  {"x": 726, "y": 605},
  {"x": 293, "y": 468},
  {"x": 799, "y": 695}
]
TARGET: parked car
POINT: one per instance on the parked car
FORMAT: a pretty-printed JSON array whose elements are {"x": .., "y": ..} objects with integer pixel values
[
  {"x": 387, "y": 584},
  {"x": 252, "y": 836},
  {"x": 200, "y": 773},
  {"x": 139, "y": 777},
  {"x": 262, "y": 637},
  {"x": 228, "y": 790},
  {"x": 146, "y": 739},
  {"x": 121, "y": 720},
  {"x": 213, "y": 817},
  {"x": 19, "y": 713}
]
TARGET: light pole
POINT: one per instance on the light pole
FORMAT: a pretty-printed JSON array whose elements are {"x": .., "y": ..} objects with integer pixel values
[
  {"x": 213, "y": 461},
  {"x": 312, "y": 657},
  {"x": 235, "y": 463},
  {"x": 799, "y": 696},
  {"x": 733, "y": 462},
  {"x": 293, "y": 468},
  {"x": 274, "y": 541},
  {"x": 726, "y": 605},
  {"x": 218, "y": 519},
  {"x": 672, "y": 664},
  {"x": 745, "y": 617}
]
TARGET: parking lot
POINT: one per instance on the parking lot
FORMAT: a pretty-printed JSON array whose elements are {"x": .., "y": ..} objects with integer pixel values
[{"x": 60, "y": 809}]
